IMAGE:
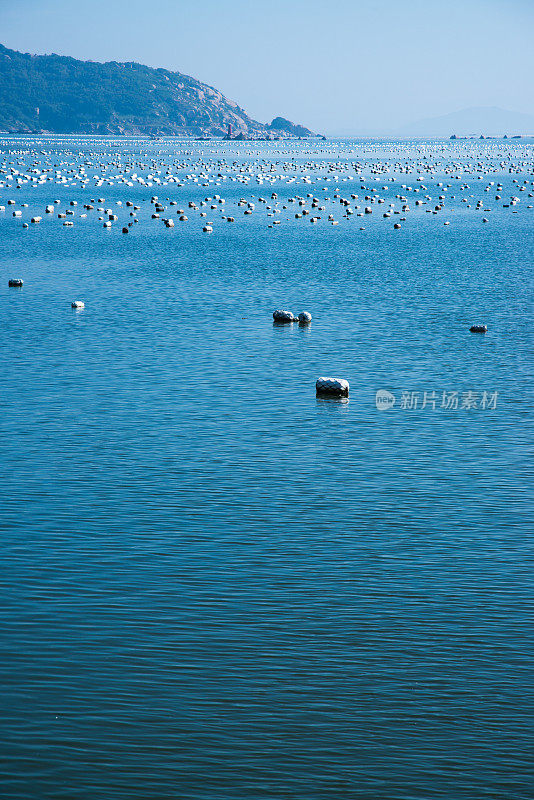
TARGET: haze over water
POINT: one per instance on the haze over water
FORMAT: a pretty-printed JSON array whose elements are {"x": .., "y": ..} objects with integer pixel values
[{"x": 215, "y": 584}]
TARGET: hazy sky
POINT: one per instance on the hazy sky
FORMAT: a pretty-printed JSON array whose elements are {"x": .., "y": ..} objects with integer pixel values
[{"x": 339, "y": 66}]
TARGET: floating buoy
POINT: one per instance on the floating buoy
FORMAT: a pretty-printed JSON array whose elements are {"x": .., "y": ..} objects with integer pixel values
[
  {"x": 15, "y": 282},
  {"x": 305, "y": 317},
  {"x": 336, "y": 387},
  {"x": 283, "y": 316},
  {"x": 478, "y": 328},
  {"x": 77, "y": 304}
]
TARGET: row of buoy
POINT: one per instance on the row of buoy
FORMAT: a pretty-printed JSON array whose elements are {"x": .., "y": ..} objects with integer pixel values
[
  {"x": 126, "y": 174},
  {"x": 279, "y": 316},
  {"x": 217, "y": 202}
]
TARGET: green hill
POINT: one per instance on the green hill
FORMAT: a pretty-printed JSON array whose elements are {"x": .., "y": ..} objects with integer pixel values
[{"x": 63, "y": 95}]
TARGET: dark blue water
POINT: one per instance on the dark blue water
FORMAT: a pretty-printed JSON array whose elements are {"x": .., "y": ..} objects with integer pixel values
[{"x": 215, "y": 585}]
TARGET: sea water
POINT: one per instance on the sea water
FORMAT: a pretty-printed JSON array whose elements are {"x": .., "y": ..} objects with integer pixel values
[{"x": 215, "y": 584}]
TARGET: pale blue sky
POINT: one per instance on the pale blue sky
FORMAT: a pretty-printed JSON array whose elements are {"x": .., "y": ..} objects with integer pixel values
[{"x": 334, "y": 65}]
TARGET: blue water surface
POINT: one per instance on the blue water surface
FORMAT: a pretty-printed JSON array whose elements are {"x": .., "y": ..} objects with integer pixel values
[{"x": 217, "y": 586}]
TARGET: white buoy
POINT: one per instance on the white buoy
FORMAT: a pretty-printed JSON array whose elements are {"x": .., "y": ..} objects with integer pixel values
[
  {"x": 283, "y": 316},
  {"x": 336, "y": 387}
]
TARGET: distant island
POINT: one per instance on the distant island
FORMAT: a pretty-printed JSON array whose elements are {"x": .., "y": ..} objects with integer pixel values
[
  {"x": 468, "y": 123},
  {"x": 58, "y": 94}
]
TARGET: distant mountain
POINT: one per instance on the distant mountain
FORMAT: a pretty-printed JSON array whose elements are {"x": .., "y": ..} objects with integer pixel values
[
  {"x": 59, "y": 94},
  {"x": 486, "y": 121}
]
